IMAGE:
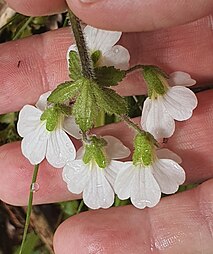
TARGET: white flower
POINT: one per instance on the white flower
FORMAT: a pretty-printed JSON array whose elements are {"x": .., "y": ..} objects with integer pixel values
[
  {"x": 95, "y": 182},
  {"x": 143, "y": 185},
  {"x": 104, "y": 41},
  {"x": 177, "y": 103},
  {"x": 39, "y": 143}
]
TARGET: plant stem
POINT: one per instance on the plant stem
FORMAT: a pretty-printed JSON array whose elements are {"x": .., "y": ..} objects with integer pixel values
[
  {"x": 29, "y": 207},
  {"x": 19, "y": 33},
  {"x": 131, "y": 124},
  {"x": 86, "y": 61},
  {"x": 80, "y": 206},
  {"x": 134, "y": 68}
]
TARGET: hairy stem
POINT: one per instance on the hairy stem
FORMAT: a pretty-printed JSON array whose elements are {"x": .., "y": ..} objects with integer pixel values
[
  {"x": 29, "y": 207},
  {"x": 134, "y": 68},
  {"x": 86, "y": 61},
  {"x": 131, "y": 124}
]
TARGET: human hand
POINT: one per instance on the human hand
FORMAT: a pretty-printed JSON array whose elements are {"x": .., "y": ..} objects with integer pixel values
[{"x": 180, "y": 223}]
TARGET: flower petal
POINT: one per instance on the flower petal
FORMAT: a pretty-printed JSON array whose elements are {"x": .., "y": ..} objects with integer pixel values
[
  {"x": 168, "y": 174},
  {"x": 98, "y": 193},
  {"x": 165, "y": 153},
  {"x": 70, "y": 126},
  {"x": 180, "y": 102},
  {"x": 42, "y": 101},
  {"x": 156, "y": 120},
  {"x": 145, "y": 190},
  {"x": 124, "y": 180},
  {"x": 115, "y": 148},
  {"x": 180, "y": 78},
  {"x": 112, "y": 170},
  {"x": 34, "y": 145},
  {"x": 60, "y": 149},
  {"x": 117, "y": 56},
  {"x": 76, "y": 174},
  {"x": 29, "y": 120},
  {"x": 98, "y": 39}
]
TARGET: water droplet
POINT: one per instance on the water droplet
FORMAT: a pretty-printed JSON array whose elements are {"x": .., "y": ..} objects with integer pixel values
[
  {"x": 35, "y": 187},
  {"x": 116, "y": 50}
]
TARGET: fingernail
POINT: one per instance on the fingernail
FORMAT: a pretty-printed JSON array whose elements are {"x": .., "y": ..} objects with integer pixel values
[{"x": 89, "y": 1}]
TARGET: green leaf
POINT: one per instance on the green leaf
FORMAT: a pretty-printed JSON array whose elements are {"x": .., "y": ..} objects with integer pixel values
[
  {"x": 75, "y": 69},
  {"x": 109, "y": 76},
  {"x": 85, "y": 109},
  {"x": 51, "y": 115},
  {"x": 64, "y": 109},
  {"x": 143, "y": 150},
  {"x": 153, "y": 80},
  {"x": 108, "y": 100},
  {"x": 65, "y": 91}
]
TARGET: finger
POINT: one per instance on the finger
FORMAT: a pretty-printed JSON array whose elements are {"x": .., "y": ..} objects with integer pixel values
[
  {"x": 38, "y": 7},
  {"x": 191, "y": 141},
  {"x": 178, "y": 224},
  {"x": 38, "y": 63},
  {"x": 139, "y": 15}
]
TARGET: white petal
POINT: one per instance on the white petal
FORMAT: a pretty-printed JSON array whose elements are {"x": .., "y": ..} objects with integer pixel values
[
  {"x": 71, "y": 127},
  {"x": 124, "y": 181},
  {"x": 102, "y": 40},
  {"x": 156, "y": 120},
  {"x": 73, "y": 47},
  {"x": 34, "y": 145},
  {"x": 76, "y": 174},
  {"x": 117, "y": 56},
  {"x": 115, "y": 148},
  {"x": 180, "y": 78},
  {"x": 98, "y": 193},
  {"x": 112, "y": 170},
  {"x": 29, "y": 120},
  {"x": 145, "y": 190},
  {"x": 180, "y": 102},
  {"x": 165, "y": 153},
  {"x": 168, "y": 174},
  {"x": 60, "y": 149},
  {"x": 42, "y": 101}
]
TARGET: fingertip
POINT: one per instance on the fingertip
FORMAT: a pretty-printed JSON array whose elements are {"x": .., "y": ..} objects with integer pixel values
[
  {"x": 139, "y": 15},
  {"x": 38, "y": 8}
]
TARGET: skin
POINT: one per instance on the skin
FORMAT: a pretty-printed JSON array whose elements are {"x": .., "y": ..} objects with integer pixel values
[{"x": 181, "y": 223}]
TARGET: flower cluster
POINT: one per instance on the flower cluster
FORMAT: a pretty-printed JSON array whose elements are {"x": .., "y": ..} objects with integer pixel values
[{"x": 95, "y": 170}]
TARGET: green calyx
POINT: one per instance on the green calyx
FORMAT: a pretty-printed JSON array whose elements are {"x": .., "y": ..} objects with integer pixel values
[
  {"x": 143, "y": 149},
  {"x": 156, "y": 81},
  {"x": 96, "y": 55},
  {"x": 52, "y": 117},
  {"x": 94, "y": 151}
]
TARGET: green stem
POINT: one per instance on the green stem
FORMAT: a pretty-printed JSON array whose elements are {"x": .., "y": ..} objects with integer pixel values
[
  {"x": 19, "y": 33},
  {"x": 131, "y": 124},
  {"x": 134, "y": 68},
  {"x": 86, "y": 61},
  {"x": 29, "y": 207},
  {"x": 80, "y": 206},
  {"x": 9, "y": 22}
]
